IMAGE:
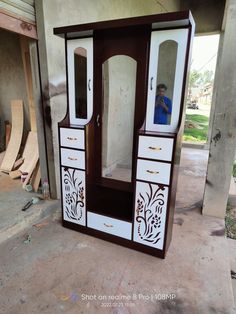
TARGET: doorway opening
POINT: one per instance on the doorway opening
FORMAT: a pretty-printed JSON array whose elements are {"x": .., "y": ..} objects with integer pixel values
[
  {"x": 20, "y": 176},
  {"x": 200, "y": 89}
]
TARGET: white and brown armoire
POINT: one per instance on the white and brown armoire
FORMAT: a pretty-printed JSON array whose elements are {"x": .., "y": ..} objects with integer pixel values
[{"x": 119, "y": 166}]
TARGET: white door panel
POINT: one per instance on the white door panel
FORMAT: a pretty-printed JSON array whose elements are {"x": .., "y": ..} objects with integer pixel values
[
  {"x": 179, "y": 36},
  {"x": 73, "y": 195},
  {"x": 72, "y": 44},
  {"x": 150, "y": 214}
]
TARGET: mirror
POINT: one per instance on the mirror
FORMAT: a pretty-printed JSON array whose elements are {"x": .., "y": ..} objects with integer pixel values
[
  {"x": 119, "y": 87},
  {"x": 80, "y": 67},
  {"x": 165, "y": 82}
]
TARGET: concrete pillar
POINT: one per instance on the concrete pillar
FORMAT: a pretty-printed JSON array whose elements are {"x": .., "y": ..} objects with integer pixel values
[
  {"x": 223, "y": 136},
  {"x": 213, "y": 102},
  {"x": 46, "y": 109}
]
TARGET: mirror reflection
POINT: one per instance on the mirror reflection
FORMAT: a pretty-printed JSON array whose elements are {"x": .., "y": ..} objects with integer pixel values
[
  {"x": 119, "y": 84},
  {"x": 80, "y": 67},
  {"x": 165, "y": 82}
]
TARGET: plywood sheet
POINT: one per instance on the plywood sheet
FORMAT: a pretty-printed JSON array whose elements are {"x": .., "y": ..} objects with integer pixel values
[
  {"x": 30, "y": 153},
  {"x": 2, "y": 154},
  {"x": 16, "y": 136},
  {"x": 36, "y": 178},
  {"x": 28, "y": 79},
  {"x": 33, "y": 164},
  {"x": 7, "y": 132}
]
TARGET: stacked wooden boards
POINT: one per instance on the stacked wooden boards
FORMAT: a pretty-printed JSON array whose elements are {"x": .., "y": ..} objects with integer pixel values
[
  {"x": 16, "y": 136},
  {"x": 28, "y": 163}
]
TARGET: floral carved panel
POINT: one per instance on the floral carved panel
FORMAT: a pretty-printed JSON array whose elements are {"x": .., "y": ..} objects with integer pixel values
[
  {"x": 73, "y": 193},
  {"x": 150, "y": 214}
]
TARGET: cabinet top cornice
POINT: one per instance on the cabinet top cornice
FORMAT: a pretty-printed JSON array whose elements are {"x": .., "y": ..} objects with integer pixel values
[{"x": 154, "y": 21}]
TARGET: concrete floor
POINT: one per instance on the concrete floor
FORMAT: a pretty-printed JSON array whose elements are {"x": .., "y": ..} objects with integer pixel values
[
  {"x": 63, "y": 271},
  {"x": 12, "y": 199}
]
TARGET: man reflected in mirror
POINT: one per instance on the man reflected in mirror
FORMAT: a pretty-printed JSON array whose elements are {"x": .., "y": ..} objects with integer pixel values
[{"x": 163, "y": 106}]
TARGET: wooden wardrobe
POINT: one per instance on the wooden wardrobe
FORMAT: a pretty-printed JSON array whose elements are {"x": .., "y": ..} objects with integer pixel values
[{"x": 119, "y": 166}]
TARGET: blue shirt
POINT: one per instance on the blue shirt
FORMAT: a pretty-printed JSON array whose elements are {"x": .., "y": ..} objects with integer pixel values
[{"x": 160, "y": 114}]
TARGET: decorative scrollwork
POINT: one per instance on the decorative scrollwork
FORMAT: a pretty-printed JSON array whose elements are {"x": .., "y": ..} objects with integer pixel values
[
  {"x": 148, "y": 213},
  {"x": 74, "y": 194}
]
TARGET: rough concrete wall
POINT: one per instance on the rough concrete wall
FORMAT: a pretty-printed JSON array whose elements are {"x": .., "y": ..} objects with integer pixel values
[
  {"x": 12, "y": 80},
  {"x": 55, "y": 13},
  {"x": 208, "y": 14}
]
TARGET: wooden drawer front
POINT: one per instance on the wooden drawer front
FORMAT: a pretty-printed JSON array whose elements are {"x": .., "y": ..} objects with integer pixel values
[
  {"x": 72, "y": 158},
  {"x": 150, "y": 214},
  {"x": 73, "y": 195},
  {"x": 153, "y": 171},
  {"x": 113, "y": 226},
  {"x": 72, "y": 138},
  {"x": 155, "y": 147}
]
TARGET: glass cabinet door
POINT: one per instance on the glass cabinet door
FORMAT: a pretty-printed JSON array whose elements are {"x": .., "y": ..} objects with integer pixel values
[
  {"x": 80, "y": 75},
  {"x": 166, "y": 72}
]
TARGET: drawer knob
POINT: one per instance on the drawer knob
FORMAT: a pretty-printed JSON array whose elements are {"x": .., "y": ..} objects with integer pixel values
[
  {"x": 72, "y": 158},
  {"x": 72, "y": 138},
  {"x": 155, "y": 148},
  {"x": 152, "y": 172},
  {"x": 108, "y": 225}
]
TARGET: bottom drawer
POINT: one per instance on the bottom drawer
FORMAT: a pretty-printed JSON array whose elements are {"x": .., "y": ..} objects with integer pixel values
[{"x": 106, "y": 224}]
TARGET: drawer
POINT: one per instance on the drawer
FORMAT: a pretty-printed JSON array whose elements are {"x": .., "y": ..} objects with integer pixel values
[
  {"x": 106, "y": 224},
  {"x": 72, "y": 138},
  {"x": 73, "y": 158},
  {"x": 153, "y": 171},
  {"x": 155, "y": 147}
]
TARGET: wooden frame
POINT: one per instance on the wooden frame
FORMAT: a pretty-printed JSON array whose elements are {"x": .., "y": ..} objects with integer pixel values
[{"x": 15, "y": 24}]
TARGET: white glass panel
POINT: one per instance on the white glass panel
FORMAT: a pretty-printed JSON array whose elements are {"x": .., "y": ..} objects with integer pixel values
[
  {"x": 80, "y": 80},
  {"x": 163, "y": 69},
  {"x": 165, "y": 82},
  {"x": 80, "y": 64}
]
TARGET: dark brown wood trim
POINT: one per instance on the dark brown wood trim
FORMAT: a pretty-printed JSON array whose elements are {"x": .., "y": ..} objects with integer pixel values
[
  {"x": 157, "y": 160},
  {"x": 170, "y": 209},
  {"x": 157, "y": 134},
  {"x": 72, "y": 148},
  {"x": 125, "y": 22},
  {"x": 71, "y": 126}
]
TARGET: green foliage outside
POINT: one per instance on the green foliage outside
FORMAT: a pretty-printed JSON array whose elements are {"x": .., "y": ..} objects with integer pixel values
[
  {"x": 196, "y": 128},
  {"x": 234, "y": 169},
  {"x": 230, "y": 223},
  {"x": 200, "y": 78}
]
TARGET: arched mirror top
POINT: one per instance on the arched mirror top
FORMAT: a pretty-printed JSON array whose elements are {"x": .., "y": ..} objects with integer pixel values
[{"x": 166, "y": 68}]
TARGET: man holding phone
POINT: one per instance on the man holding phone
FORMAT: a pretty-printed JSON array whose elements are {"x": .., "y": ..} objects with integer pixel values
[{"x": 163, "y": 106}]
